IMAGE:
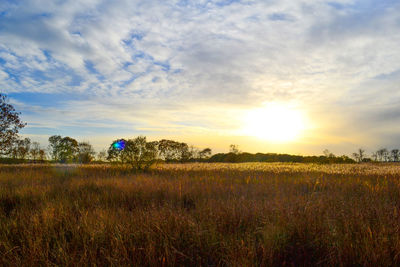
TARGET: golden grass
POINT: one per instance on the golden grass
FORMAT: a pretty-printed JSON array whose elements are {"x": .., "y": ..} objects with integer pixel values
[{"x": 200, "y": 215}]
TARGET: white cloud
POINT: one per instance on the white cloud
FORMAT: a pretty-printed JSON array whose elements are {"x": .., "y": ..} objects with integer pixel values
[{"x": 176, "y": 58}]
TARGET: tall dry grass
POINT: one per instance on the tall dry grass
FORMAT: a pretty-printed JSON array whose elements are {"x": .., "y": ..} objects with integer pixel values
[{"x": 200, "y": 215}]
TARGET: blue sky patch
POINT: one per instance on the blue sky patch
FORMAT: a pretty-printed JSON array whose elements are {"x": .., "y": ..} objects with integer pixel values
[
  {"x": 278, "y": 16},
  {"x": 45, "y": 99},
  {"x": 89, "y": 65}
]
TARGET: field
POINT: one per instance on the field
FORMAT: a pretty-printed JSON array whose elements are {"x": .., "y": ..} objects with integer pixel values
[{"x": 200, "y": 215}]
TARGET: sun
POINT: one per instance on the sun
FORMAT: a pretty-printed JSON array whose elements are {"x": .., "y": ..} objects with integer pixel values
[{"x": 274, "y": 122}]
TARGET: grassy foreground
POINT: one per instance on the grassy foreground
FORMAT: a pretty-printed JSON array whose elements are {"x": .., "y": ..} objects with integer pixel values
[{"x": 200, "y": 215}]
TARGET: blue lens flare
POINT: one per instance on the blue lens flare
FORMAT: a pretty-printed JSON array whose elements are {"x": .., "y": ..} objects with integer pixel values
[{"x": 119, "y": 144}]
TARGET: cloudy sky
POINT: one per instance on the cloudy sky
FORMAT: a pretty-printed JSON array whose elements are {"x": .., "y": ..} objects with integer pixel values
[{"x": 194, "y": 71}]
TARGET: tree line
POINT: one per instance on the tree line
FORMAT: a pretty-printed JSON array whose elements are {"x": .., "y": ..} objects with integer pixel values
[
  {"x": 381, "y": 155},
  {"x": 137, "y": 152},
  {"x": 236, "y": 156},
  {"x": 140, "y": 153}
]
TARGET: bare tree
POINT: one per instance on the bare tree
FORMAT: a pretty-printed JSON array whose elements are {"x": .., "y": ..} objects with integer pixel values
[
  {"x": 356, "y": 157},
  {"x": 385, "y": 155},
  {"x": 382, "y": 154},
  {"x": 102, "y": 155},
  {"x": 328, "y": 154},
  {"x": 234, "y": 149},
  {"x": 359, "y": 156},
  {"x": 394, "y": 154},
  {"x": 42, "y": 154},
  {"x": 35, "y": 150}
]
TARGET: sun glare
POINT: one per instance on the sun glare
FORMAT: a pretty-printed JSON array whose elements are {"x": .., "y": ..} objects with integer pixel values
[{"x": 275, "y": 123}]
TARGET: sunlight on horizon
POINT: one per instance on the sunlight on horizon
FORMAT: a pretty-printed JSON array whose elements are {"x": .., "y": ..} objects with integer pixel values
[{"x": 274, "y": 122}]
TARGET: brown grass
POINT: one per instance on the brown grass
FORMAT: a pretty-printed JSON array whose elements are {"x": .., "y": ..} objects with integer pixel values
[{"x": 200, "y": 215}]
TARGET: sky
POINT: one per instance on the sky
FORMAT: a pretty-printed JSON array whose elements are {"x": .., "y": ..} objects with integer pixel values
[{"x": 193, "y": 71}]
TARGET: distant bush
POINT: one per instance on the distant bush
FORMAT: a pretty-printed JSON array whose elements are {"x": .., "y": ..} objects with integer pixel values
[
  {"x": 20, "y": 161},
  {"x": 12, "y": 161},
  {"x": 272, "y": 157}
]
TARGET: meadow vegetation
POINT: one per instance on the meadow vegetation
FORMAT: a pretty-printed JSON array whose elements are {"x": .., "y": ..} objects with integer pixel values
[{"x": 252, "y": 214}]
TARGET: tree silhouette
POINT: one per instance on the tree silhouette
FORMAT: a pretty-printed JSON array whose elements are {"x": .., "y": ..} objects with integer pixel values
[
  {"x": 382, "y": 154},
  {"x": 328, "y": 154},
  {"x": 374, "y": 156},
  {"x": 359, "y": 155},
  {"x": 170, "y": 150},
  {"x": 183, "y": 152},
  {"x": 394, "y": 154},
  {"x": 194, "y": 152},
  {"x": 234, "y": 149},
  {"x": 205, "y": 153},
  {"x": 10, "y": 124}
]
